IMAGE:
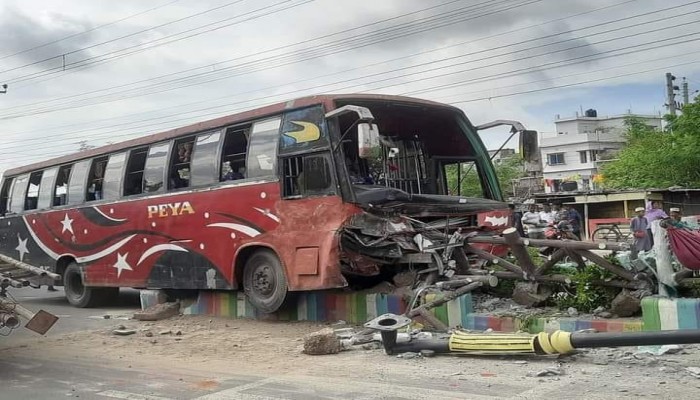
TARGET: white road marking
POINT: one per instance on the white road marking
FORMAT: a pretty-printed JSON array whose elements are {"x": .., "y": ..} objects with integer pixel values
[{"x": 117, "y": 394}]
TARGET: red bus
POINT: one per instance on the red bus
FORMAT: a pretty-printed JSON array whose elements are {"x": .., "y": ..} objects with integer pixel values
[{"x": 315, "y": 193}]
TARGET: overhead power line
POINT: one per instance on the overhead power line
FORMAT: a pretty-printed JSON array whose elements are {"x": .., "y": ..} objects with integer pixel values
[
  {"x": 117, "y": 54},
  {"x": 606, "y": 54},
  {"x": 88, "y": 30},
  {"x": 386, "y": 61},
  {"x": 470, "y": 59}
]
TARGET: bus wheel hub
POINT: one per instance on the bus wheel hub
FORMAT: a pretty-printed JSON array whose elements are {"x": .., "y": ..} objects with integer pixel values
[{"x": 263, "y": 280}]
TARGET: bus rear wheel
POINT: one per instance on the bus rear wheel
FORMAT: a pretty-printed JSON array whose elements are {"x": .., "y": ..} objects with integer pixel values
[
  {"x": 264, "y": 281},
  {"x": 82, "y": 296}
]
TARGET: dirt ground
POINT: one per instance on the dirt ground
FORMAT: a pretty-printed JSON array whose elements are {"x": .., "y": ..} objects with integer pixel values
[{"x": 217, "y": 345}]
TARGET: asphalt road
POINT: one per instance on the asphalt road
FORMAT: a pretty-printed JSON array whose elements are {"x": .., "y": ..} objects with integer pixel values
[
  {"x": 29, "y": 371},
  {"x": 36, "y": 377}
]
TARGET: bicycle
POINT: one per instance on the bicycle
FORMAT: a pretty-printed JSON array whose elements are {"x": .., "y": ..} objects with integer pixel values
[{"x": 611, "y": 233}]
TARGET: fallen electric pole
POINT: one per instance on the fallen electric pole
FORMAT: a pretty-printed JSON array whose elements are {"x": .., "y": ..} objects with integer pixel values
[{"x": 558, "y": 342}]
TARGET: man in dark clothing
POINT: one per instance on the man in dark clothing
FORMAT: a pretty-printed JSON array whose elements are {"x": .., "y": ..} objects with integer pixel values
[
  {"x": 517, "y": 220},
  {"x": 574, "y": 219}
]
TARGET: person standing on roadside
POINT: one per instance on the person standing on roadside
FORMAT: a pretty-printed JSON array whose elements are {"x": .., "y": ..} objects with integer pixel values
[
  {"x": 533, "y": 223},
  {"x": 639, "y": 227},
  {"x": 653, "y": 212}
]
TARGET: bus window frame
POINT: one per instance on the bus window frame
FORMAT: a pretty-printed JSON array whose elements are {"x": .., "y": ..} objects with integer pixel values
[
  {"x": 120, "y": 176},
  {"x": 164, "y": 188},
  {"x": 84, "y": 188},
  {"x": 11, "y": 203},
  {"x": 9, "y": 186},
  {"x": 54, "y": 190},
  {"x": 217, "y": 157},
  {"x": 50, "y": 188}
]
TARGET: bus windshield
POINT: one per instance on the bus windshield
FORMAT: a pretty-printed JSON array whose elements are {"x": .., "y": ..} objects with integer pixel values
[{"x": 423, "y": 151}]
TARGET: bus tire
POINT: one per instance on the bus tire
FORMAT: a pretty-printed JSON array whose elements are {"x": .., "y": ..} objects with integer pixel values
[
  {"x": 264, "y": 281},
  {"x": 77, "y": 294}
]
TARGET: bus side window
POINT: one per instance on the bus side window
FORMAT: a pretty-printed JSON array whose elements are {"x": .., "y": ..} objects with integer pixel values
[
  {"x": 262, "y": 155},
  {"x": 60, "y": 195},
  {"x": 46, "y": 188},
  {"x": 155, "y": 168},
  {"x": 133, "y": 183},
  {"x": 5, "y": 195},
  {"x": 203, "y": 168},
  {"x": 179, "y": 175},
  {"x": 307, "y": 176},
  {"x": 32, "y": 199},
  {"x": 96, "y": 179},
  {"x": 111, "y": 185},
  {"x": 77, "y": 183},
  {"x": 234, "y": 154},
  {"x": 19, "y": 191}
]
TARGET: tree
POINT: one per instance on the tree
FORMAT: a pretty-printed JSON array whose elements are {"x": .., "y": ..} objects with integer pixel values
[
  {"x": 507, "y": 170},
  {"x": 658, "y": 158}
]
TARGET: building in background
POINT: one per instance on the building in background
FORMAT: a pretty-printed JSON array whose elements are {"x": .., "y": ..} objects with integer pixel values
[{"x": 571, "y": 156}]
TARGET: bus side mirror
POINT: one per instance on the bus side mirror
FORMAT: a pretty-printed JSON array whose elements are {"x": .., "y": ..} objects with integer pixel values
[
  {"x": 367, "y": 139},
  {"x": 528, "y": 145}
]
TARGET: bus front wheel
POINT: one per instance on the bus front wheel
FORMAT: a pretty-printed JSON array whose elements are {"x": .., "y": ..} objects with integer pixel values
[
  {"x": 264, "y": 281},
  {"x": 83, "y": 296}
]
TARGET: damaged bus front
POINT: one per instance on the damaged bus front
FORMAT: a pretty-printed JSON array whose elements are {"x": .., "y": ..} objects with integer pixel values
[{"x": 424, "y": 182}]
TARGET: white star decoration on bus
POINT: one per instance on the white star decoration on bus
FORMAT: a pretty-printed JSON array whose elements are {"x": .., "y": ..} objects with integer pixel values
[
  {"x": 121, "y": 264},
  {"x": 67, "y": 225},
  {"x": 22, "y": 247}
]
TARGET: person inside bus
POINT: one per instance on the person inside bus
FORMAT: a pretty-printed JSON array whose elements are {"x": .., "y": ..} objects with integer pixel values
[{"x": 228, "y": 174}]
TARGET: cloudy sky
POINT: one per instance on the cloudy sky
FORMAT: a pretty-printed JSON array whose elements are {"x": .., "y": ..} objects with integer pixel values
[{"x": 100, "y": 72}]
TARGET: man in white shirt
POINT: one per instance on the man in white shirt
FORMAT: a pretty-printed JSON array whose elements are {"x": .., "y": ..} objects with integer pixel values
[
  {"x": 533, "y": 224},
  {"x": 547, "y": 215}
]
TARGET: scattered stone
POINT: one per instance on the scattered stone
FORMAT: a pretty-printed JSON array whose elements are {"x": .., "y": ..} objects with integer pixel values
[
  {"x": 322, "y": 342},
  {"x": 106, "y": 316},
  {"x": 154, "y": 341},
  {"x": 372, "y": 346},
  {"x": 572, "y": 312},
  {"x": 158, "y": 311},
  {"x": 623, "y": 390},
  {"x": 427, "y": 353},
  {"x": 694, "y": 371},
  {"x": 178, "y": 333},
  {"x": 408, "y": 355},
  {"x": 520, "y": 362},
  {"x": 124, "y": 332},
  {"x": 149, "y": 334},
  {"x": 600, "y": 362},
  {"x": 598, "y": 310},
  {"x": 605, "y": 314},
  {"x": 625, "y": 304},
  {"x": 551, "y": 371},
  {"x": 166, "y": 332},
  {"x": 531, "y": 294}
]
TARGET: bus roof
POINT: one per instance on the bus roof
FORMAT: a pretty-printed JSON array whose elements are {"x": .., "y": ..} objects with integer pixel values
[{"x": 326, "y": 99}]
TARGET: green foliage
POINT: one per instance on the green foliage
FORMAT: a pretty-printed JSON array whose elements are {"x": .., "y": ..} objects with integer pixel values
[
  {"x": 507, "y": 170},
  {"x": 654, "y": 158},
  {"x": 587, "y": 296}
]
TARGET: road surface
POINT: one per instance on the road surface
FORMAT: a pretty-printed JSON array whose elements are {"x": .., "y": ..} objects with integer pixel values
[{"x": 69, "y": 363}]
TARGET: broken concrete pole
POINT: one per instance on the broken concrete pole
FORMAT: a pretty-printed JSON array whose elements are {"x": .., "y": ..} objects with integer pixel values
[
  {"x": 322, "y": 342},
  {"x": 158, "y": 312},
  {"x": 517, "y": 247},
  {"x": 625, "y": 304},
  {"x": 531, "y": 294}
]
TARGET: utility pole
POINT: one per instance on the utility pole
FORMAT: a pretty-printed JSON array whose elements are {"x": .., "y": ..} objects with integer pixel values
[
  {"x": 685, "y": 92},
  {"x": 670, "y": 93}
]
